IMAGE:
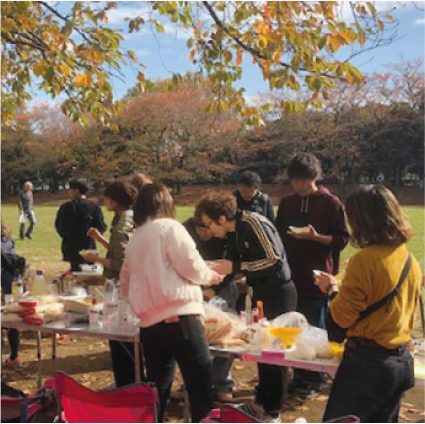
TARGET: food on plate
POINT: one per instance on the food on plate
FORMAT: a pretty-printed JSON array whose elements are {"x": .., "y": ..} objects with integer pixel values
[
  {"x": 80, "y": 306},
  {"x": 225, "y": 343},
  {"x": 299, "y": 230},
  {"x": 216, "y": 330},
  {"x": 10, "y": 317}
]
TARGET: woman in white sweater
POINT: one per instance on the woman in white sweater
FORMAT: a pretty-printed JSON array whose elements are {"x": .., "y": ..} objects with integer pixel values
[{"x": 162, "y": 275}]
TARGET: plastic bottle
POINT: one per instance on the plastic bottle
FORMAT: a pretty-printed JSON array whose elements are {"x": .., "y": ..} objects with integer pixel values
[
  {"x": 94, "y": 318},
  {"x": 110, "y": 293},
  {"x": 17, "y": 289},
  {"x": 248, "y": 306},
  {"x": 257, "y": 333},
  {"x": 39, "y": 287},
  {"x": 260, "y": 309}
]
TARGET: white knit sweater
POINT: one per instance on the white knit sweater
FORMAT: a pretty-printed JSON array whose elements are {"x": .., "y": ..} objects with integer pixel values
[{"x": 162, "y": 272}]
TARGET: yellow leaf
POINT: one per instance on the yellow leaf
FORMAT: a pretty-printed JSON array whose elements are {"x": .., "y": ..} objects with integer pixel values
[
  {"x": 6, "y": 23},
  {"x": 239, "y": 57},
  {"x": 65, "y": 70},
  {"x": 38, "y": 69},
  {"x": 81, "y": 80}
]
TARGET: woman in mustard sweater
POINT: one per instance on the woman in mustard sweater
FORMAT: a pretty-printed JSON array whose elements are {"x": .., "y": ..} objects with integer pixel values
[{"x": 377, "y": 367}]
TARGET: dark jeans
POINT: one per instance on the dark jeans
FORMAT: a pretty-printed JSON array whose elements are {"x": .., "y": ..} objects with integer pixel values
[
  {"x": 30, "y": 229},
  {"x": 14, "y": 338},
  {"x": 123, "y": 363},
  {"x": 183, "y": 342},
  {"x": 314, "y": 309},
  {"x": 370, "y": 383},
  {"x": 272, "y": 387}
]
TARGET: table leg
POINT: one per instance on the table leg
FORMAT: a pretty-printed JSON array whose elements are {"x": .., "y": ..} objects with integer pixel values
[
  {"x": 137, "y": 359},
  {"x": 39, "y": 362},
  {"x": 54, "y": 352}
]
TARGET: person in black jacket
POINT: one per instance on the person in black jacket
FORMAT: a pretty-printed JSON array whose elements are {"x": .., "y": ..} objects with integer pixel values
[
  {"x": 8, "y": 273},
  {"x": 257, "y": 253},
  {"x": 212, "y": 248},
  {"x": 250, "y": 198},
  {"x": 74, "y": 219}
]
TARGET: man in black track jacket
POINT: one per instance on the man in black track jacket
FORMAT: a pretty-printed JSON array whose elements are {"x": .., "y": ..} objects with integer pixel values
[{"x": 258, "y": 253}]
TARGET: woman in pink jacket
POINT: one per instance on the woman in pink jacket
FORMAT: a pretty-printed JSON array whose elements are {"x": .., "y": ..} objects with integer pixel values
[{"x": 162, "y": 277}]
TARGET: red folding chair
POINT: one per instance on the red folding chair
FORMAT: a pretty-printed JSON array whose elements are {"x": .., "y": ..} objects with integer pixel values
[
  {"x": 346, "y": 419},
  {"x": 131, "y": 404},
  {"x": 25, "y": 408}
]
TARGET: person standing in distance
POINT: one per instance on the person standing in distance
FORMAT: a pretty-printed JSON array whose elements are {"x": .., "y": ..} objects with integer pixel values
[
  {"x": 73, "y": 221},
  {"x": 321, "y": 215},
  {"x": 26, "y": 210},
  {"x": 249, "y": 197}
]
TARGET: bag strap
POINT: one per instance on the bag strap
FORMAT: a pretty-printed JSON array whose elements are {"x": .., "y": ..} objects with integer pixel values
[{"x": 389, "y": 297}]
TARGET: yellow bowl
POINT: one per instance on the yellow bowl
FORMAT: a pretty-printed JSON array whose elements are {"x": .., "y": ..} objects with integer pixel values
[
  {"x": 337, "y": 349},
  {"x": 286, "y": 335}
]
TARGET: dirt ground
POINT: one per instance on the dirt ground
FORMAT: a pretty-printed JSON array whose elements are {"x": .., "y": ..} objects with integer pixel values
[{"x": 88, "y": 361}]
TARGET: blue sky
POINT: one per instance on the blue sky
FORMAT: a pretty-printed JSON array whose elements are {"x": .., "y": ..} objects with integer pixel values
[{"x": 165, "y": 54}]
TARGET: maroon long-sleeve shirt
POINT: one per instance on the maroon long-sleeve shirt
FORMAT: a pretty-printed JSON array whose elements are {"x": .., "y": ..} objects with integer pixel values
[{"x": 325, "y": 213}]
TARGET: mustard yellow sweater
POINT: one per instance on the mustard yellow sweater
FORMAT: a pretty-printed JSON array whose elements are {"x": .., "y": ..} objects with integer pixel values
[{"x": 371, "y": 274}]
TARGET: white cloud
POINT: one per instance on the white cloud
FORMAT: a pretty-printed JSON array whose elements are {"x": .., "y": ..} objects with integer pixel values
[
  {"x": 118, "y": 14},
  {"x": 419, "y": 21}
]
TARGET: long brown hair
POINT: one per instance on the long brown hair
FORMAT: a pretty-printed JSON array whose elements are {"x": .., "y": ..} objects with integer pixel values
[
  {"x": 376, "y": 217},
  {"x": 153, "y": 201},
  {"x": 5, "y": 232}
]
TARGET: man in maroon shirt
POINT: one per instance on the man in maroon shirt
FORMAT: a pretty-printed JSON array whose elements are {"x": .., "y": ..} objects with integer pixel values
[{"x": 313, "y": 228}]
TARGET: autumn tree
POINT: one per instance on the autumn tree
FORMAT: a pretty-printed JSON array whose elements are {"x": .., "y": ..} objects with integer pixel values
[{"x": 76, "y": 53}]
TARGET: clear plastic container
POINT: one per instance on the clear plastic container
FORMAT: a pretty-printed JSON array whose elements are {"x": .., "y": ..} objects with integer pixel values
[
  {"x": 39, "y": 286},
  {"x": 111, "y": 293}
]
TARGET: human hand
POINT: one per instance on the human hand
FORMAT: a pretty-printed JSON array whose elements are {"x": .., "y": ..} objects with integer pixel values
[
  {"x": 216, "y": 279},
  {"x": 311, "y": 234},
  {"x": 90, "y": 257},
  {"x": 223, "y": 266},
  {"x": 95, "y": 234},
  {"x": 323, "y": 280},
  {"x": 208, "y": 294}
]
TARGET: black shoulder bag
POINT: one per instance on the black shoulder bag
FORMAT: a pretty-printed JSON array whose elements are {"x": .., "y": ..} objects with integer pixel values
[{"x": 339, "y": 334}]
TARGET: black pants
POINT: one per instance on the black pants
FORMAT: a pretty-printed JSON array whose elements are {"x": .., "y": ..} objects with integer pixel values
[
  {"x": 183, "y": 342},
  {"x": 370, "y": 383},
  {"x": 14, "y": 338},
  {"x": 123, "y": 363},
  {"x": 272, "y": 388}
]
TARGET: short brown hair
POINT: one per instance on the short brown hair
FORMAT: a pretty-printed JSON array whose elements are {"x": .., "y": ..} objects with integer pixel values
[
  {"x": 154, "y": 201},
  {"x": 121, "y": 192},
  {"x": 139, "y": 180},
  {"x": 216, "y": 204},
  {"x": 304, "y": 166},
  {"x": 376, "y": 217}
]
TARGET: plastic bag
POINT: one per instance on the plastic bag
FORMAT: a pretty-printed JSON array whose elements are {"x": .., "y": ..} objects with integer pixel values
[
  {"x": 290, "y": 320},
  {"x": 220, "y": 325},
  {"x": 312, "y": 343}
]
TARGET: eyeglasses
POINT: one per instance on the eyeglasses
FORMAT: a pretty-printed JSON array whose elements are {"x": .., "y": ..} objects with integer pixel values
[
  {"x": 208, "y": 225},
  {"x": 200, "y": 224}
]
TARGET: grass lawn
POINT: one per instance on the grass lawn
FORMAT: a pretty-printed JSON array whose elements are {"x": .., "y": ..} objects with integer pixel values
[{"x": 43, "y": 252}]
